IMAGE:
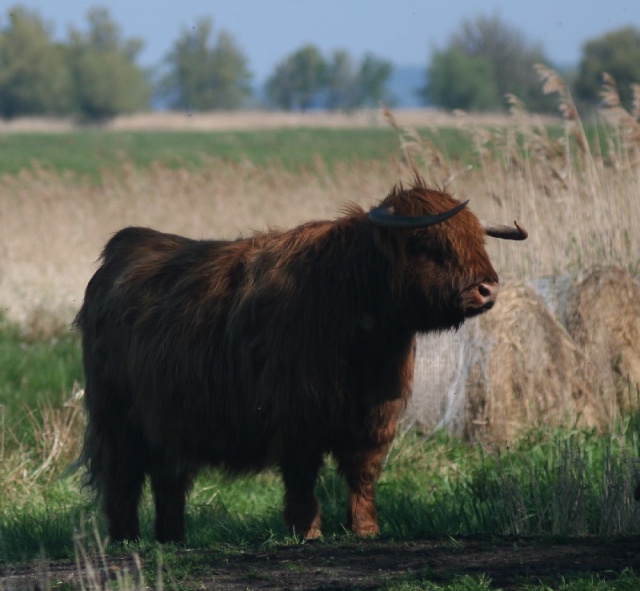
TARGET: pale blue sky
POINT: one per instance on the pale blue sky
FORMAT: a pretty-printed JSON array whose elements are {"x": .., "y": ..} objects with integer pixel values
[{"x": 403, "y": 31}]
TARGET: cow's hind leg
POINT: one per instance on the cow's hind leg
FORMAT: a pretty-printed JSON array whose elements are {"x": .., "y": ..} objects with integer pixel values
[
  {"x": 169, "y": 484},
  {"x": 301, "y": 507},
  {"x": 121, "y": 481}
]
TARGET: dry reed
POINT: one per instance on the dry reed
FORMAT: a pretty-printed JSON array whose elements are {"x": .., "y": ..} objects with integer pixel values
[
  {"x": 579, "y": 209},
  {"x": 52, "y": 231}
]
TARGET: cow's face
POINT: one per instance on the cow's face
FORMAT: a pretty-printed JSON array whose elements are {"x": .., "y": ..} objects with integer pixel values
[
  {"x": 449, "y": 276},
  {"x": 445, "y": 271}
]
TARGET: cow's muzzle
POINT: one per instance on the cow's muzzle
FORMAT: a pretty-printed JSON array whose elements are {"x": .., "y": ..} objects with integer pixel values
[{"x": 480, "y": 297}]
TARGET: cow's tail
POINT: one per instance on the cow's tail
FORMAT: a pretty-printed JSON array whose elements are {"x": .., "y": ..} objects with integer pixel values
[
  {"x": 92, "y": 454},
  {"x": 92, "y": 458}
]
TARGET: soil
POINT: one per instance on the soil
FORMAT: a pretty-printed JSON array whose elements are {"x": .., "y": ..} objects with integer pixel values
[{"x": 510, "y": 563}]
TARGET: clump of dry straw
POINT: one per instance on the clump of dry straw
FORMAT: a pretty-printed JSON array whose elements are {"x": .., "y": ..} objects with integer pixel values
[
  {"x": 513, "y": 368},
  {"x": 603, "y": 317}
]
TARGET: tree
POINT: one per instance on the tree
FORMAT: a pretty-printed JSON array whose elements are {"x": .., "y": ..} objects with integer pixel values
[
  {"x": 105, "y": 77},
  {"x": 341, "y": 81},
  {"x": 506, "y": 61},
  {"x": 372, "y": 79},
  {"x": 461, "y": 81},
  {"x": 305, "y": 79},
  {"x": 33, "y": 76},
  {"x": 298, "y": 79},
  {"x": 617, "y": 53},
  {"x": 203, "y": 76}
]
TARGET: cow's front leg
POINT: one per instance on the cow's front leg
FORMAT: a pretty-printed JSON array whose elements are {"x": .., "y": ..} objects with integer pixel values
[{"x": 361, "y": 471}]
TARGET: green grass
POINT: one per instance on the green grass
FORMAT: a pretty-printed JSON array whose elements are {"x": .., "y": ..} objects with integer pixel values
[
  {"x": 86, "y": 153},
  {"x": 627, "y": 581},
  {"x": 552, "y": 483},
  {"x": 562, "y": 483},
  {"x": 34, "y": 373}
]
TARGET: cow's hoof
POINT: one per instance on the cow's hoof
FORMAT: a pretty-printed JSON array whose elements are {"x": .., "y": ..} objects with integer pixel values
[
  {"x": 313, "y": 534},
  {"x": 366, "y": 530}
]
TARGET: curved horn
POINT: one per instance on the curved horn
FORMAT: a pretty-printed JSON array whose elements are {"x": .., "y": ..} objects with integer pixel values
[
  {"x": 505, "y": 232},
  {"x": 382, "y": 216}
]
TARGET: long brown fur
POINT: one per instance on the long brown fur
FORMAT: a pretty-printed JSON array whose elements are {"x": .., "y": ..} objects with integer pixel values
[{"x": 272, "y": 350}]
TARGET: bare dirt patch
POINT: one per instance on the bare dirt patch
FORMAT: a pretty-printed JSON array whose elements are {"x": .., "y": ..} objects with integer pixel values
[{"x": 510, "y": 562}]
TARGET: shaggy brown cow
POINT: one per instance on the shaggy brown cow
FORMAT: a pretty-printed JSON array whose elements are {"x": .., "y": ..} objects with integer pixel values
[{"x": 269, "y": 351}]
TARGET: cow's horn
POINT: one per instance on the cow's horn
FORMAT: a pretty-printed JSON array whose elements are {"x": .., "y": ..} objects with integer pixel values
[
  {"x": 505, "y": 232},
  {"x": 382, "y": 216}
]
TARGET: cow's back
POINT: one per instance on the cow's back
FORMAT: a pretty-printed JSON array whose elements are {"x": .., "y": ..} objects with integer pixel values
[{"x": 153, "y": 327}]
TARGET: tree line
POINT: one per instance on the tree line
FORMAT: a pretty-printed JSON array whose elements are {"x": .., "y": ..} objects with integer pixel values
[{"x": 93, "y": 74}]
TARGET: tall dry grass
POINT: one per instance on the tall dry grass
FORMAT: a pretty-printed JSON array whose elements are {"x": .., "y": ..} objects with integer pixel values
[
  {"x": 581, "y": 207},
  {"x": 29, "y": 467},
  {"x": 52, "y": 230},
  {"x": 579, "y": 203}
]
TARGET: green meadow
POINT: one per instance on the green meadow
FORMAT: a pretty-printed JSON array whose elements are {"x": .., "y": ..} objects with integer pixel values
[{"x": 87, "y": 153}]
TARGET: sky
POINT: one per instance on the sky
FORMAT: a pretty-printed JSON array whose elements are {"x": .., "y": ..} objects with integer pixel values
[{"x": 406, "y": 32}]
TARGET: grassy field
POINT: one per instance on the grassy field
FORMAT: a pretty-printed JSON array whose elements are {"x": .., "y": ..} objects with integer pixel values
[
  {"x": 554, "y": 485},
  {"x": 87, "y": 154},
  {"x": 63, "y": 194}
]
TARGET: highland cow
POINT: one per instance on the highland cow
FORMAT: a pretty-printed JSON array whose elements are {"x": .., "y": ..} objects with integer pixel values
[{"x": 270, "y": 351}]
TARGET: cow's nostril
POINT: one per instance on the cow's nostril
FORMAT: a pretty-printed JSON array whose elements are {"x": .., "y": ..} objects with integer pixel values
[{"x": 487, "y": 292}]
